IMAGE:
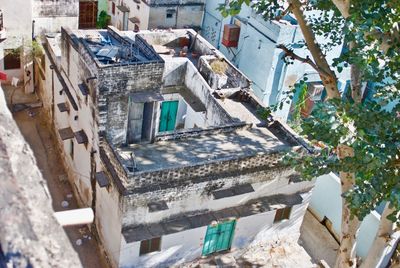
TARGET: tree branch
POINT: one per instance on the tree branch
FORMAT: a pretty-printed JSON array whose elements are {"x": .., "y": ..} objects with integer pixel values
[
  {"x": 291, "y": 54},
  {"x": 280, "y": 16},
  {"x": 328, "y": 77},
  {"x": 343, "y": 6}
]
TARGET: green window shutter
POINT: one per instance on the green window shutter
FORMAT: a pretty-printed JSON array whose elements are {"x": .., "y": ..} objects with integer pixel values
[
  {"x": 219, "y": 237},
  {"x": 210, "y": 240}
]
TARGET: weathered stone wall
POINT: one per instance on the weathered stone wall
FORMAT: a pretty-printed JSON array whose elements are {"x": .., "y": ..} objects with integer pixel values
[
  {"x": 196, "y": 197},
  {"x": 215, "y": 114},
  {"x": 139, "y": 43},
  {"x": 235, "y": 78},
  {"x": 50, "y": 15},
  {"x": 51, "y": 8},
  {"x": 114, "y": 86},
  {"x": 114, "y": 168},
  {"x": 175, "y": 2},
  {"x": 184, "y": 16},
  {"x": 169, "y": 178}
]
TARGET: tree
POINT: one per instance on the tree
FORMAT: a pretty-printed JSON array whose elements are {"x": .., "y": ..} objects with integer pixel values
[
  {"x": 104, "y": 20},
  {"x": 355, "y": 137}
]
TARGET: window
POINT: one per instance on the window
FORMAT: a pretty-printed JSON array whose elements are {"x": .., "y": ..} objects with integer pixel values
[
  {"x": 113, "y": 8},
  {"x": 71, "y": 152},
  {"x": 138, "y": 7},
  {"x": 282, "y": 214},
  {"x": 12, "y": 59},
  {"x": 151, "y": 245},
  {"x": 170, "y": 14}
]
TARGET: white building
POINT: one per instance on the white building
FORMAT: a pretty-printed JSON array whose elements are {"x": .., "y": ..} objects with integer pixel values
[
  {"x": 252, "y": 47},
  {"x": 151, "y": 14},
  {"x": 23, "y": 21},
  {"x": 172, "y": 171}
]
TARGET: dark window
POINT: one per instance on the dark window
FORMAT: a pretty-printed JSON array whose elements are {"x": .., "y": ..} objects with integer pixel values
[
  {"x": 113, "y": 8},
  {"x": 282, "y": 214},
  {"x": 151, "y": 245},
  {"x": 12, "y": 59},
  {"x": 170, "y": 15},
  {"x": 71, "y": 153}
]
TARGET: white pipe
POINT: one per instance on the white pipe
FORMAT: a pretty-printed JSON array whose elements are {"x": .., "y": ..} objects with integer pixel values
[{"x": 74, "y": 216}]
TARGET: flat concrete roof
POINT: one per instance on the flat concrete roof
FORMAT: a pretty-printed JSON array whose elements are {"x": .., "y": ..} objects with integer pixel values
[{"x": 201, "y": 149}]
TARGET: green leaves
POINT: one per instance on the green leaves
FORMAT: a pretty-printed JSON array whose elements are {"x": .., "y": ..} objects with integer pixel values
[{"x": 372, "y": 129}]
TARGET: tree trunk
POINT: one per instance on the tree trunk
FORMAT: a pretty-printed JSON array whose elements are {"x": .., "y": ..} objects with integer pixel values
[
  {"x": 381, "y": 240},
  {"x": 346, "y": 254},
  {"x": 328, "y": 77}
]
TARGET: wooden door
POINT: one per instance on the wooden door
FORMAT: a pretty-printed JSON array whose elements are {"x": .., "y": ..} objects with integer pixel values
[
  {"x": 87, "y": 14},
  {"x": 169, "y": 110}
]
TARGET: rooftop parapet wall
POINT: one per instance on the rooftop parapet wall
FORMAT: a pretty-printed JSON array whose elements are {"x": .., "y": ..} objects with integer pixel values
[
  {"x": 175, "y": 2},
  {"x": 138, "y": 43},
  {"x": 234, "y": 78},
  {"x": 216, "y": 115},
  {"x": 171, "y": 178}
]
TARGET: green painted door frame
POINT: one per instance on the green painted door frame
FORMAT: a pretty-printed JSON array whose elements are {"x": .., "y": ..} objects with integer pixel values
[
  {"x": 219, "y": 237},
  {"x": 169, "y": 110}
]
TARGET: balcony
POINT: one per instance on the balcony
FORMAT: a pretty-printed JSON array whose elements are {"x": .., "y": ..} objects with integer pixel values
[{"x": 3, "y": 35}]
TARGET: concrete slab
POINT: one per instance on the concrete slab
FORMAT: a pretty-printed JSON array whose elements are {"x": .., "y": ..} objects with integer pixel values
[
  {"x": 317, "y": 240},
  {"x": 201, "y": 149}
]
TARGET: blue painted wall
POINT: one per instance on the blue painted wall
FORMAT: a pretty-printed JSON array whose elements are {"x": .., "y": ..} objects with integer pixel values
[{"x": 257, "y": 55}]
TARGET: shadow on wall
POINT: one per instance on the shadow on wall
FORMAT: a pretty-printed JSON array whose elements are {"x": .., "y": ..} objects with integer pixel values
[
  {"x": 172, "y": 256},
  {"x": 291, "y": 226}
]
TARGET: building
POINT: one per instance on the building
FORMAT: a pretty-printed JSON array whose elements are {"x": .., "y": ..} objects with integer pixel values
[
  {"x": 249, "y": 42},
  {"x": 167, "y": 161},
  {"x": 253, "y": 50},
  {"x": 21, "y": 26},
  {"x": 151, "y": 14}
]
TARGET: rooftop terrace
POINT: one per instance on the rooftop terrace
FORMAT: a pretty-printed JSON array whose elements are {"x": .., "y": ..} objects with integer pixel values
[{"x": 200, "y": 149}]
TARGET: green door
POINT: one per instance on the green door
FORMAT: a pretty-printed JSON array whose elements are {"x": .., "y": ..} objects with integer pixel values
[
  {"x": 218, "y": 237},
  {"x": 168, "y": 115}
]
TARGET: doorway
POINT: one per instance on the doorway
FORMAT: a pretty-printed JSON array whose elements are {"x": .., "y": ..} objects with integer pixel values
[
  {"x": 87, "y": 15},
  {"x": 169, "y": 110},
  {"x": 219, "y": 237}
]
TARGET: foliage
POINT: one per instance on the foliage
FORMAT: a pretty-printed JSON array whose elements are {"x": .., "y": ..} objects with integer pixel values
[
  {"x": 371, "y": 33},
  {"x": 103, "y": 20},
  {"x": 29, "y": 50}
]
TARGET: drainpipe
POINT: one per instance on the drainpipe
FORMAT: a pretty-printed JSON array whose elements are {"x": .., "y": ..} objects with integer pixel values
[
  {"x": 33, "y": 61},
  {"x": 176, "y": 17}
]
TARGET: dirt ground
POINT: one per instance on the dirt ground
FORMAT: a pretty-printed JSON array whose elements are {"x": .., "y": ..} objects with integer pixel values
[{"x": 39, "y": 136}]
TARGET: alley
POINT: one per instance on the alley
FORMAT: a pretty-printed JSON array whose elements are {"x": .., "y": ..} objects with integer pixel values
[{"x": 39, "y": 136}]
